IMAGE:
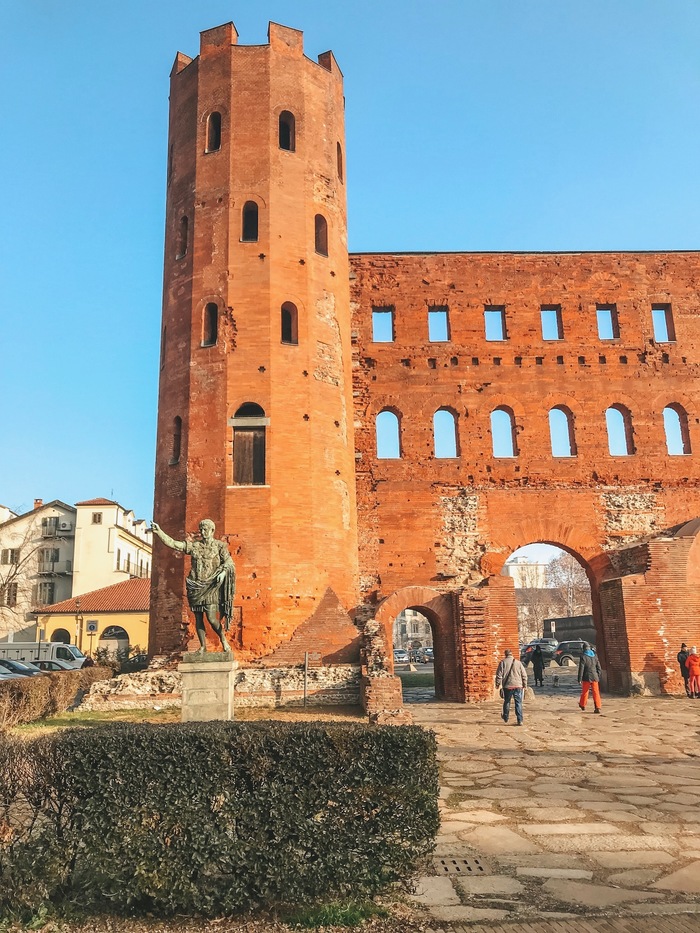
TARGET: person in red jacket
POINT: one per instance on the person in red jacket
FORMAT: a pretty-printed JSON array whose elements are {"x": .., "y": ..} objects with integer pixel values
[{"x": 692, "y": 662}]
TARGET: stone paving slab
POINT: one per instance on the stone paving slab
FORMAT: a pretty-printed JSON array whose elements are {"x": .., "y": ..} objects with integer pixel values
[{"x": 600, "y": 817}]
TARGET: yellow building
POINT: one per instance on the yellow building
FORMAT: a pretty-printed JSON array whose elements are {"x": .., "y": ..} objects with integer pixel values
[{"x": 114, "y": 617}]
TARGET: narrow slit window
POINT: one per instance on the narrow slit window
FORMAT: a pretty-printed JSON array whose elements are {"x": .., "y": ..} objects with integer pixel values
[
  {"x": 249, "y": 231},
  {"x": 445, "y": 434},
  {"x": 561, "y": 432},
  {"x": 618, "y": 421},
  {"x": 495, "y": 323},
  {"x": 177, "y": 441},
  {"x": 662, "y": 321},
  {"x": 289, "y": 321},
  {"x": 608, "y": 324},
  {"x": 388, "y": 436},
  {"x": 438, "y": 325},
  {"x": 287, "y": 131},
  {"x": 552, "y": 328},
  {"x": 249, "y": 424},
  {"x": 182, "y": 237},
  {"x": 339, "y": 160},
  {"x": 503, "y": 433},
  {"x": 210, "y": 329},
  {"x": 676, "y": 430},
  {"x": 214, "y": 132},
  {"x": 321, "y": 234},
  {"x": 383, "y": 325}
]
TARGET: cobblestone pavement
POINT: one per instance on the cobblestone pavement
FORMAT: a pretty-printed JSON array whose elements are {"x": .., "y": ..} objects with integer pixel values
[{"x": 572, "y": 816}]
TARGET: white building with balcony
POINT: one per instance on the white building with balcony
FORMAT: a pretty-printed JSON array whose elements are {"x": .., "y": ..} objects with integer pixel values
[{"x": 58, "y": 551}]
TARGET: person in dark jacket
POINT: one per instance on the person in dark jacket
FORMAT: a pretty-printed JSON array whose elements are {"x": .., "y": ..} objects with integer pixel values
[
  {"x": 589, "y": 672},
  {"x": 538, "y": 665},
  {"x": 682, "y": 657}
]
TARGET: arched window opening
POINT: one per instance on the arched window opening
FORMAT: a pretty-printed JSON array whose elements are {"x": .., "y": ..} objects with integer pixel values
[
  {"x": 561, "y": 432},
  {"x": 287, "y": 131},
  {"x": 62, "y": 635},
  {"x": 619, "y": 424},
  {"x": 676, "y": 429},
  {"x": 289, "y": 318},
  {"x": 445, "y": 434},
  {"x": 249, "y": 232},
  {"x": 214, "y": 132},
  {"x": 339, "y": 159},
  {"x": 249, "y": 424},
  {"x": 210, "y": 330},
  {"x": 321, "y": 234},
  {"x": 177, "y": 440},
  {"x": 182, "y": 235},
  {"x": 388, "y": 436},
  {"x": 503, "y": 433}
]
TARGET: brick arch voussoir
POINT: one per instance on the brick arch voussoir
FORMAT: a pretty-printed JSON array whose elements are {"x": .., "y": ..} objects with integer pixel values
[{"x": 415, "y": 597}]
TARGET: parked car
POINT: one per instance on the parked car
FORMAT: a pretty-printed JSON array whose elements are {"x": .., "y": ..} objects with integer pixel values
[
  {"x": 401, "y": 656},
  {"x": 425, "y": 656},
  {"x": 6, "y": 675},
  {"x": 52, "y": 665},
  {"x": 568, "y": 652},
  {"x": 548, "y": 646},
  {"x": 23, "y": 668}
]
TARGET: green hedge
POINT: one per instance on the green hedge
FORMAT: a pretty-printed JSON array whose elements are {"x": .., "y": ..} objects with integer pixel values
[
  {"x": 27, "y": 699},
  {"x": 213, "y": 818}
]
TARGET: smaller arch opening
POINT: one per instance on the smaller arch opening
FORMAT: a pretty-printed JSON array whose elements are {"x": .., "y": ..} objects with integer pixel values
[
  {"x": 249, "y": 425},
  {"x": 177, "y": 440},
  {"x": 214, "y": 132},
  {"x": 249, "y": 225},
  {"x": 289, "y": 323},
  {"x": 321, "y": 234},
  {"x": 618, "y": 420},
  {"x": 210, "y": 328},
  {"x": 250, "y": 410},
  {"x": 503, "y": 432},
  {"x": 182, "y": 237},
  {"x": 388, "y": 436},
  {"x": 445, "y": 434},
  {"x": 339, "y": 160},
  {"x": 676, "y": 430},
  {"x": 62, "y": 635},
  {"x": 561, "y": 432},
  {"x": 287, "y": 131}
]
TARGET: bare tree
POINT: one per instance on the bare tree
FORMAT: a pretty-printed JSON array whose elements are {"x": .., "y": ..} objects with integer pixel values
[
  {"x": 18, "y": 562},
  {"x": 567, "y": 575}
]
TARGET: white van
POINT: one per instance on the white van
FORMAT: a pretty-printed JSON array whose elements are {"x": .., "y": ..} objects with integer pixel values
[{"x": 43, "y": 651}]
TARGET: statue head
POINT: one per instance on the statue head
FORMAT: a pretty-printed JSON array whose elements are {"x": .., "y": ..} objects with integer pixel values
[{"x": 206, "y": 528}]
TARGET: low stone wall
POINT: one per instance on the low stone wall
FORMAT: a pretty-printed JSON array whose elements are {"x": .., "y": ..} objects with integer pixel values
[{"x": 255, "y": 687}]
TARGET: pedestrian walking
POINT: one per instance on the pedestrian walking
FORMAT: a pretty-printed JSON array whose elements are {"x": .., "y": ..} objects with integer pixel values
[
  {"x": 692, "y": 663},
  {"x": 589, "y": 672},
  {"x": 511, "y": 677},
  {"x": 682, "y": 657},
  {"x": 538, "y": 665}
]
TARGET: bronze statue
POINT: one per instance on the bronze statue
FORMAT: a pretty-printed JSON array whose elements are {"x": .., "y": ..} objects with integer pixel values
[{"x": 211, "y": 582}]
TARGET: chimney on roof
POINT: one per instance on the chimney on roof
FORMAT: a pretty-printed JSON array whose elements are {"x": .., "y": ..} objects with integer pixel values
[{"x": 38, "y": 503}]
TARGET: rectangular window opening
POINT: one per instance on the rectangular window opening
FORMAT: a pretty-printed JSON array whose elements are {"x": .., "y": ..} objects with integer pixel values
[
  {"x": 552, "y": 328},
  {"x": 608, "y": 325},
  {"x": 495, "y": 323},
  {"x": 438, "y": 325},
  {"x": 662, "y": 321},
  {"x": 383, "y": 325}
]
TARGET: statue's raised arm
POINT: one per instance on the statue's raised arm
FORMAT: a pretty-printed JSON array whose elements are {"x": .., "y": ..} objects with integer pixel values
[{"x": 167, "y": 540}]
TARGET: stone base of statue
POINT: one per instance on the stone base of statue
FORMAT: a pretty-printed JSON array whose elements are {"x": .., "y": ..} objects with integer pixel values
[{"x": 207, "y": 685}]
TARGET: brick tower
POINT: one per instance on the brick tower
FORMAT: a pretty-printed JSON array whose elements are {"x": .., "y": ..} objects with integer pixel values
[{"x": 255, "y": 426}]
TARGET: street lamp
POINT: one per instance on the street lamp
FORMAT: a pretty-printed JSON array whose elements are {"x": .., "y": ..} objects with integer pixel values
[{"x": 78, "y": 625}]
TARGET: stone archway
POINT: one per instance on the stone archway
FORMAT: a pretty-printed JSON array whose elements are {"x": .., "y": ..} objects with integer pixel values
[{"x": 438, "y": 608}]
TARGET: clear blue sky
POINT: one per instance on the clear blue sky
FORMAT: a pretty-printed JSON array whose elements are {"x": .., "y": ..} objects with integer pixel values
[{"x": 471, "y": 124}]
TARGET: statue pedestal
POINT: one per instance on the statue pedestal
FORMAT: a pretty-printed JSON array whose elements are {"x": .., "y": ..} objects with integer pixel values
[{"x": 207, "y": 685}]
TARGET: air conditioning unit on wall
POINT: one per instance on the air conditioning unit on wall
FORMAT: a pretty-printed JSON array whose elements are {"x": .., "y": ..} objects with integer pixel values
[{"x": 65, "y": 526}]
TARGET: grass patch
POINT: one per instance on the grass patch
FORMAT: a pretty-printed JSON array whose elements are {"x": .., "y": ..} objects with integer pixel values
[
  {"x": 417, "y": 678},
  {"x": 350, "y": 914}
]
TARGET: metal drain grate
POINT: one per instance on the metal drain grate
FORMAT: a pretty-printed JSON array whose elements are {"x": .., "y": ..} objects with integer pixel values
[{"x": 461, "y": 866}]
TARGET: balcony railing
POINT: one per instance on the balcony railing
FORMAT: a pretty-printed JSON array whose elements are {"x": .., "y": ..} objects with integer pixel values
[
  {"x": 55, "y": 566},
  {"x": 133, "y": 570}
]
